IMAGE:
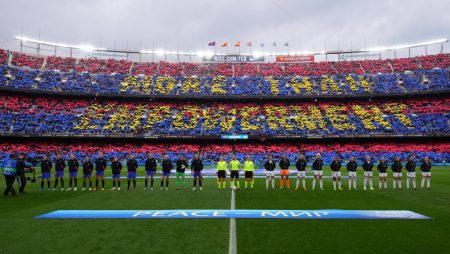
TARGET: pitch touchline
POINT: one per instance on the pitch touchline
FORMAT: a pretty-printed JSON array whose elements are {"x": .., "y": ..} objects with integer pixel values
[{"x": 232, "y": 247}]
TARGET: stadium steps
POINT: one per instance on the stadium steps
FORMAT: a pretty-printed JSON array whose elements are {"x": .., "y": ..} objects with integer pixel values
[
  {"x": 390, "y": 66},
  {"x": 424, "y": 78},
  {"x": 10, "y": 57},
  {"x": 76, "y": 63},
  {"x": 401, "y": 85},
  {"x": 157, "y": 68},
  {"x": 334, "y": 68},
  {"x": 44, "y": 64},
  {"x": 419, "y": 63},
  {"x": 360, "y": 65},
  {"x": 130, "y": 71}
]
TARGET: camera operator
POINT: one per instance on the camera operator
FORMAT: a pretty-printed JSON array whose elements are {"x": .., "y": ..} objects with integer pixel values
[{"x": 20, "y": 175}]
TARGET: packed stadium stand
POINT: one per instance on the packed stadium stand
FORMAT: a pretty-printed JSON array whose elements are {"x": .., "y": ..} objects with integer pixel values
[
  {"x": 435, "y": 150},
  {"x": 66, "y": 75},
  {"x": 109, "y": 66},
  {"x": 294, "y": 86},
  {"x": 397, "y": 98},
  {"x": 42, "y": 115}
]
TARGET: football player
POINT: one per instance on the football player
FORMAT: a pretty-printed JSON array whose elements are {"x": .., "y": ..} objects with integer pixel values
[
  {"x": 351, "y": 167},
  {"x": 336, "y": 173},
  {"x": 318, "y": 173}
]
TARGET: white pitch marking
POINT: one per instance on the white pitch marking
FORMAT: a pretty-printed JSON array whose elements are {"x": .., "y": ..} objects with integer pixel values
[{"x": 232, "y": 247}]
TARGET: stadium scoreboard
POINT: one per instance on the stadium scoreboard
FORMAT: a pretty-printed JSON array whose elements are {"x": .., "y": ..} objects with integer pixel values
[{"x": 234, "y": 137}]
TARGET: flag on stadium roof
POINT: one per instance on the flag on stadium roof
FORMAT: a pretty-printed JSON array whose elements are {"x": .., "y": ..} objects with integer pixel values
[
  {"x": 213, "y": 43},
  {"x": 225, "y": 44},
  {"x": 238, "y": 44},
  {"x": 249, "y": 43}
]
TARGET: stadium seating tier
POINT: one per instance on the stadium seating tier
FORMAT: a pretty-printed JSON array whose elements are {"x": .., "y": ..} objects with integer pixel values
[{"x": 437, "y": 151}]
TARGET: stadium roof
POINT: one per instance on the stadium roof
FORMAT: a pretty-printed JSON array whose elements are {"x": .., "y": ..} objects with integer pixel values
[{"x": 206, "y": 53}]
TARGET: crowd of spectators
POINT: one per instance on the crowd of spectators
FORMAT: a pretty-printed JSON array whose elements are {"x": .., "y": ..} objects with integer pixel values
[
  {"x": 65, "y": 64},
  {"x": 43, "y": 115},
  {"x": 25, "y": 60},
  {"x": 289, "y": 85},
  {"x": 438, "y": 152},
  {"x": 93, "y": 65},
  {"x": 3, "y": 57}
]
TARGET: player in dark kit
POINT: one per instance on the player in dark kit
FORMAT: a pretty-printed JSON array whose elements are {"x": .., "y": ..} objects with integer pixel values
[
  {"x": 397, "y": 171},
  {"x": 382, "y": 171},
  {"x": 150, "y": 169},
  {"x": 132, "y": 167},
  {"x": 301, "y": 172},
  {"x": 100, "y": 166},
  {"x": 411, "y": 172},
  {"x": 116, "y": 168},
  {"x": 336, "y": 172},
  {"x": 73, "y": 172},
  {"x": 88, "y": 167},
  {"x": 368, "y": 175},
  {"x": 317, "y": 169},
  {"x": 46, "y": 168},
  {"x": 60, "y": 164},
  {"x": 351, "y": 167},
  {"x": 269, "y": 166},
  {"x": 197, "y": 167},
  {"x": 167, "y": 166},
  {"x": 426, "y": 173}
]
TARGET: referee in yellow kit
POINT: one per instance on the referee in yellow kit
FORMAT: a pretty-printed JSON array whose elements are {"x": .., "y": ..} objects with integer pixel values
[
  {"x": 221, "y": 173},
  {"x": 234, "y": 169},
  {"x": 249, "y": 169}
]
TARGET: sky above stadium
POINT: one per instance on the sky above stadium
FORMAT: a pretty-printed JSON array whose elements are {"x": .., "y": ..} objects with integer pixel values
[{"x": 191, "y": 25}]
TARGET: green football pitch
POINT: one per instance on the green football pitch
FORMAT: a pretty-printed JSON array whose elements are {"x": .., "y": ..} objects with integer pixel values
[{"x": 21, "y": 233}]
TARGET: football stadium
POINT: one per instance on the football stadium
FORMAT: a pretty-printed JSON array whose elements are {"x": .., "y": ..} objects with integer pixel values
[{"x": 224, "y": 127}]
